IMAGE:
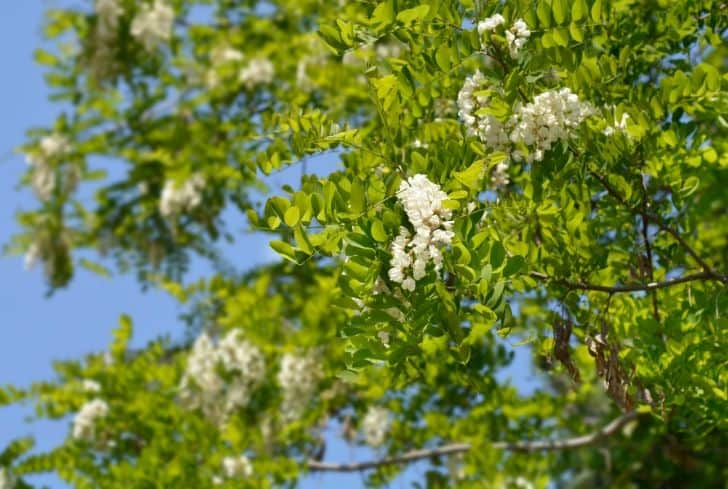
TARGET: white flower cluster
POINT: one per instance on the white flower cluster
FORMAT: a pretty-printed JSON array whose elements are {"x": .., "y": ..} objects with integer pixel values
[
  {"x": 153, "y": 24},
  {"x": 499, "y": 177},
  {"x": 220, "y": 56},
  {"x": 43, "y": 179},
  {"x": 519, "y": 482},
  {"x": 108, "y": 13},
  {"x": 259, "y": 71},
  {"x": 177, "y": 198},
  {"x": 234, "y": 468},
  {"x": 516, "y": 36},
  {"x": 84, "y": 424},
  {"x": 89, "y": 385},
  {"x": 7, "y": 480},
  {"x": 221, "y": 378},
  {"x": 537, "y": 125},
  {"x": 375, "y": 426},
  {"x": 432, "y": 223},
  {"x": 297, "y": 378},
  {"x": 548, "y": 119}
]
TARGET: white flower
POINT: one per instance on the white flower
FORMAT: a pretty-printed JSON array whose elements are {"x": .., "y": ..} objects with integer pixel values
[
  {"x": 422, "y": 201},
  {"x": 237, "y": 467},
  {"x": 499, "y": 177},
  {"x": 153, "y": 24},
  {"x": 298, "y": 378},
  {"x": 490, "y": 23},
  {"x": 89, "y": 385},
  {"x": 221, "y": 378},
  {"x": 7, "y": 480},
  {"x": 177, "y": 198},
  {"x": 259, "y": 71},
  {"x": 84, "y": 424},
  {"x": 54, "y": 146},
  {"x": 108, "y": 13},
  {"x": 384, "y": 336},
  {"x": 517, "y": 36},
  {"x": 32, "y": 256},
  {"x": 375, "y": 426},
  {"x": 536, "y": 126}
]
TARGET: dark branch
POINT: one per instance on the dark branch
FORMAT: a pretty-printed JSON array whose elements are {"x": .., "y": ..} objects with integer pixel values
[
  {"x": 615, "y": 289},
  {"x": 522, "y": 447}
]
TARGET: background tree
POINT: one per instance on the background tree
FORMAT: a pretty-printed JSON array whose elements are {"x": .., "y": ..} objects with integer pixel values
[{"x": 550, "y": 173}]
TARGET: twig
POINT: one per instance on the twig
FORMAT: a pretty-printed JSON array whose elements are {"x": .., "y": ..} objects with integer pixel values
[
  {"x": 522, "y": 447},
  {"x": 615, "y": 289}
]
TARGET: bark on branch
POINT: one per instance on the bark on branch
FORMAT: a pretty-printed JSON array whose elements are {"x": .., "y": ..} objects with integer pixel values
[
  {"x": 615, "y": 289},
  {"x": 522, "y": 447}
]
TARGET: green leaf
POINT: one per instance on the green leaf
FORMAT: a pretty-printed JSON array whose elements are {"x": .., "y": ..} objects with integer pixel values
[
  {"x": 579, "y": 9},
  {"x": 383, "y": 15},
  {"x": 378, "y": 231},
  {"x": 560, "y": 10},
  {"x": 543, "y": 11},
  {"x": 413, "y": 14},
  {"x": 497, "y": 255},
  {"x": 292, "y": 216},
  {"x": 285, "y": 250},
  {"x": 444, "y": 57},
  {"x": 596, "y": 11}
]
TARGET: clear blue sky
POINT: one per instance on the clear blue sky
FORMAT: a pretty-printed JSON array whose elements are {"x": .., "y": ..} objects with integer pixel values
[{"x": 37, "y": 330}]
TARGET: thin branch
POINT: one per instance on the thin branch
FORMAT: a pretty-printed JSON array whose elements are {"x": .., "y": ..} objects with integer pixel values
[
  {"x": 522, "y": 447},
  {"x": 615, "y": 289},
  {"x": 660, "y": 222}
]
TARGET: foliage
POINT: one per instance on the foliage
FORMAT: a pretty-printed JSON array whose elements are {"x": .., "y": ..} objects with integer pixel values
[{"x": 603, "y": 250}]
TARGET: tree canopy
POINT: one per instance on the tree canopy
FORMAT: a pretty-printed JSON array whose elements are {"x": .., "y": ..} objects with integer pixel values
[{"x": 541, "y": 176}]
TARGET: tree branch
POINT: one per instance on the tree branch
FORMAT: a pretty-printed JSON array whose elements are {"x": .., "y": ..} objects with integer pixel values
[
  {"x": 615, "y": 289},
  {"x": 522, "y": 447}
]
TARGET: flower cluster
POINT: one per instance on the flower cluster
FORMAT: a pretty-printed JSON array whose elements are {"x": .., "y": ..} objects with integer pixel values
[
  {"x": 422, "y": 201},
  {"x": 89, "y": 385},
  {"x": 234, "y": 468},
  {"x": 375, "y": 426},
  {"x": 531, "y": 129},
  {"x": 548, "y": 119},
  {"x": 259, "y": 71},
  {"x": 153, "y": 24},
  {"x": 499, "y": 177},
  {"x": 179, "y": 198},
  {"x": 298, "y": 378},
  {"x": 84, "y": 424},
  {"x": 108, "y": 13},
  {"x": 220, "y": 56},
  {"x": 43, "y": 179},
  {"x": 516, "y": 36},
  {"x": 7, "y": 480},
  {"x": 221, "y": 378}
]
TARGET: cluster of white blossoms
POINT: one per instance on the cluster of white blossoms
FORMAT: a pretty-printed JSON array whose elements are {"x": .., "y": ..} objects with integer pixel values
[
  {"x": 548, "y": 119},
  {"x": 432, "y": 223},
  {"x": 152, "y": 25},
  {"x": 516, "y": 35},
  {"x": 221, "y": 56},
  {"x": 234, "y": 468},
  {"x": 375, "y": 426},
  {"x": 499, "y": 177},
  {"x": 178, "y": 198},
  {"x": 89, "y": 385},
  {"x": 108, "y": 13},
  {"x": 43, "y": 179},
  {"x": 536, "y": 126},
  {"x": 298, "y": 378},
  {"x": 84, "y": 424},
  {"x": 259, "y": 71},
  {"x": 221, "y": 378},
  {"x": 7, "y": 480}
]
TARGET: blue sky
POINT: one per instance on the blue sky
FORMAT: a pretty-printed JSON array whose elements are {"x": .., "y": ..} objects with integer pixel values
[{"x": 37, "y": 330}]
